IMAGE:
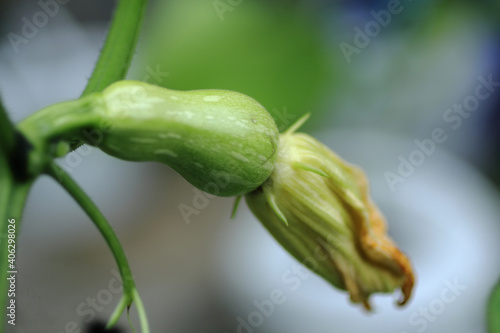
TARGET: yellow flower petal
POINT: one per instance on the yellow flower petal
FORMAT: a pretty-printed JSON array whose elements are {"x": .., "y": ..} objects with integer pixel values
[{"x": 330, "y": 220}]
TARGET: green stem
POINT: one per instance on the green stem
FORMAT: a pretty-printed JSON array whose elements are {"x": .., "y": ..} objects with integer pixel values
[
  {"x": 494, "y": 310},
  {"x": 118, "y": 50},
  {"x": 142, "y": 313},
  {"x": 129, "y": 289},
  {"x": 117, "y": 313},
  {"x": 130, "y": 293},
  {"x": 51, "y": 130},
  {"x": 12, "y": 198},
  {"x": 6, "y": 190},
  {"x": 65, "y": 120},
  {"x": 6, "y": 131}
]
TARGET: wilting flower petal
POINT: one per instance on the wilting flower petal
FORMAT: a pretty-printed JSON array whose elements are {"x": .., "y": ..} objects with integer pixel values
[{"x": 318, "y": 207}]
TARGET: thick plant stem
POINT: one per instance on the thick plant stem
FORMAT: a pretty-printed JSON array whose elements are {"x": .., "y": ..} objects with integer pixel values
[
  {"x": 12, "y": 198},
  {"x": 47, "y": 134},
  {"x": 129, "y": 290},
  {"x": 118, "y": 50},
  {"x": 6, "y": 131},
  {"x": 6, "y": 190},
  {"x": 62, "y": 121},
  {"x": 13, "y": 195}
]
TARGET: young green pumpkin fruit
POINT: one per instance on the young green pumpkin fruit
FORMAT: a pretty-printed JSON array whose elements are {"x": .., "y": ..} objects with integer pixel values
[{"x": 222, "y": 142}]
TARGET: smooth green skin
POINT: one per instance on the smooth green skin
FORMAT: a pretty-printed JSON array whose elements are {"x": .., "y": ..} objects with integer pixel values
[{"x": 222, "y": 142}]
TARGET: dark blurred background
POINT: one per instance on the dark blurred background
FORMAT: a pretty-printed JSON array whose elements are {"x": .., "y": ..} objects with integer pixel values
[{"x": 409, "y": 90}]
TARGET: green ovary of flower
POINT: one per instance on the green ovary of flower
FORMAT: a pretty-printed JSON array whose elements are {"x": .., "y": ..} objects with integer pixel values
[{"x": 223, "y": 142}]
